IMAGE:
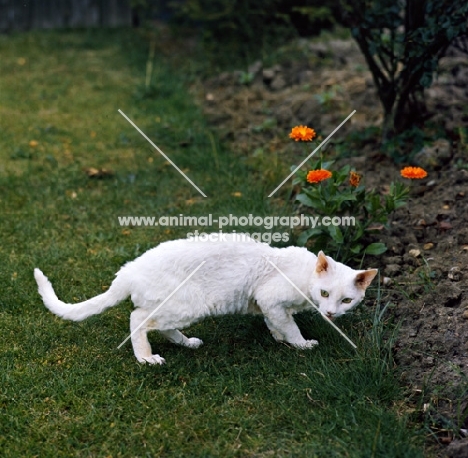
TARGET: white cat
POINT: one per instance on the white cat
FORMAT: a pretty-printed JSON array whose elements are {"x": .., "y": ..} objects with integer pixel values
[{"x": 236, "y": 277}]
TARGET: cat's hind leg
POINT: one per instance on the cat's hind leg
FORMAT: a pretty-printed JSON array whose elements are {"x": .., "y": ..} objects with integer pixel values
[
  {"x": 175, "y": 336},
  {"x": 139, "y": 327}
]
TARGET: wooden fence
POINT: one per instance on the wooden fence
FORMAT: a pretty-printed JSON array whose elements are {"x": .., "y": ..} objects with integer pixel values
[{"x": 51, "y": 14}]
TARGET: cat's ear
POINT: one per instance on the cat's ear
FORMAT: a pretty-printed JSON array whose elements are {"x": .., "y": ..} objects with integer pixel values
[
  {"x": 364, "y": 278},
  {"x": 322, "y": 263}
]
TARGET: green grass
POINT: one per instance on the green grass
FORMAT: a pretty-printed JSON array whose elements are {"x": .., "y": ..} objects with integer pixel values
[{"x": 65, "y": 389}]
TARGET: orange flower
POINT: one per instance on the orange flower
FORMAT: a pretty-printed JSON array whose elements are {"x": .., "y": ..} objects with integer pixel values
[
  {"x": 315, "y": 176},
  {"x": 302, "y": 133},
  {"x": 354, "y": 179},
  {"x": 413, "y": 173}
]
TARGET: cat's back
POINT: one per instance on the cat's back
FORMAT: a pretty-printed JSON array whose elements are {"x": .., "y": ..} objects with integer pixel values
[{"x": 186, "y": 254}]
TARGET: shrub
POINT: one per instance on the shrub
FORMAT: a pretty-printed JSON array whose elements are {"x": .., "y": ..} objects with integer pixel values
[{"x": 402, "y": 42}]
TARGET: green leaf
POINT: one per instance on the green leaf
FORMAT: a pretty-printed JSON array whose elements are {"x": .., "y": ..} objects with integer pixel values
[
  {"x": 318, "y": 203},
  {"x": 359, "y": 231},
  {"x": 344, "y": 197},
  {"x": 336, "y": 233},
  {"x": 356, "y": 249},
  {"x": 327, "y": 165},
  {"x": 376, "y": 249},
  {"x": 305, "y": 200},
  {"x": 306, "y": 235},
  {"x": 297, "y": 180}
]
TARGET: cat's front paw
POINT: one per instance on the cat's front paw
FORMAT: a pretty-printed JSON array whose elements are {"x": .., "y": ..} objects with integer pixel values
[
  {"x": 193, "y": 342},
  {"x": 306, "y": 344},
  {"x": 153, "y": 359}
]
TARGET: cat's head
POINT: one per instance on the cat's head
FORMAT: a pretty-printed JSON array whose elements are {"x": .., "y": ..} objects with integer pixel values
[{"x": 336, "y": 289}]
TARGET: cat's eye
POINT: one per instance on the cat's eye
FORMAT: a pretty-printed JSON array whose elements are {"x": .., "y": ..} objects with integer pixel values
[
  {"x": 324, "y": 293},
  {"x": 346, "y": 300}
]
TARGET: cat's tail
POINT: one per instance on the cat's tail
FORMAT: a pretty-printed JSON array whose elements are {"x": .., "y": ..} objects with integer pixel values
[{"x": 116, "y": 293}]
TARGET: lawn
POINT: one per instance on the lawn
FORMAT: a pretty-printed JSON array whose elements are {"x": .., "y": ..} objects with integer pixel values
[{"x": 65, "y": 389}]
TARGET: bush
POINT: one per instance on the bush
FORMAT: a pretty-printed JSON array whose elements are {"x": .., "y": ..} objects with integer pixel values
[{"x": 402, "y": 42}]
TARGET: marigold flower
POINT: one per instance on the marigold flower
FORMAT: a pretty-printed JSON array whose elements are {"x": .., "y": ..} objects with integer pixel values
[
  {"x": 413, "y": 173},
  {"x": 354, "y": 179},
  {"x": 316, "y": 176},
  {"x": 302, "y": 133}
]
